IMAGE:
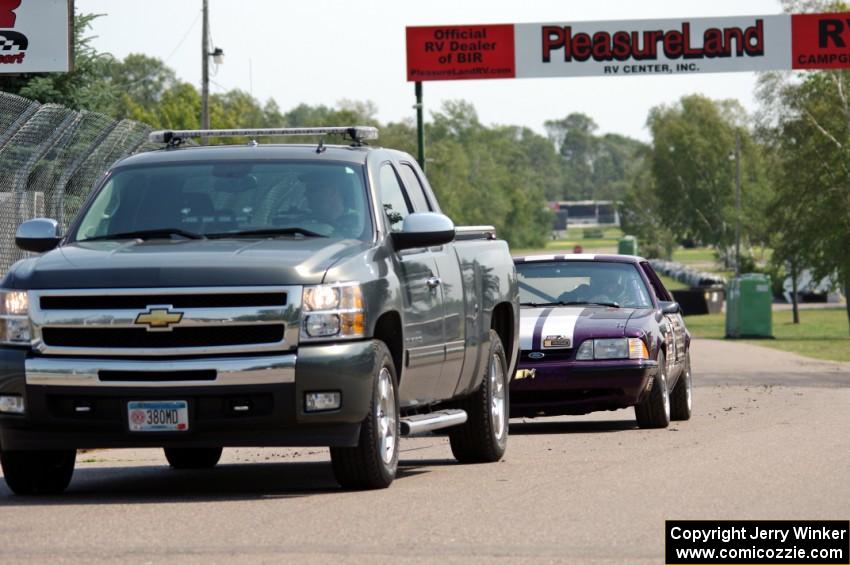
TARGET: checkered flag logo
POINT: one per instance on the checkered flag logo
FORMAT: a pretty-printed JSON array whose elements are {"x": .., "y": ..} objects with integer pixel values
[{"x": 12, "y": 41}]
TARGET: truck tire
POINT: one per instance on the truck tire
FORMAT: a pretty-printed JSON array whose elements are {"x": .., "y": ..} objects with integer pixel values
[
  {"x": 372, "y": 464},
  {"x": 654, "y": 410},
  {"x": 681, "y": 397},
  {"x": 484, "y": 436},
  {"x": 192, "y": 457},
  {"x": 38, "y": 472}
]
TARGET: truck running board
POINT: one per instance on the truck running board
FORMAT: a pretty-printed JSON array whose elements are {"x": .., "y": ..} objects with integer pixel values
[{"x": 433, "y": 421}]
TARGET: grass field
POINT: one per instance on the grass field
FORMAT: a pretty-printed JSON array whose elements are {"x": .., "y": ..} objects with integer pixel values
[
  {"x": 672, "y": 284},
  {"x": 822, "y": 334},
  {"x": 694, "y": 255},
  {"x": 575, "y": 236},
  {"x": 700, "y": 258}
]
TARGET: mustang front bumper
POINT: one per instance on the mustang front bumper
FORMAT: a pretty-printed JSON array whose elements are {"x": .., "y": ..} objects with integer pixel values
[{"x": 579, "y": 387}]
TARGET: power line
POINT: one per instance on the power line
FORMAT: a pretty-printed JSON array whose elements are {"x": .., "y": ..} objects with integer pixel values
[
  {"x": 183, "y": 40},
  {"x": 173, "y": 52}
]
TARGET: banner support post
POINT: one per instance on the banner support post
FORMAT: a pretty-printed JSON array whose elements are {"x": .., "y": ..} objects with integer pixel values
[{"x": 420, "y": 127}]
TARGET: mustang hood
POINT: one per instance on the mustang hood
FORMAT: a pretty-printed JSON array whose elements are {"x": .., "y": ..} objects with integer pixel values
[
  {"x": 129, "y": 264},
  {"x": 570, "y": 325}
]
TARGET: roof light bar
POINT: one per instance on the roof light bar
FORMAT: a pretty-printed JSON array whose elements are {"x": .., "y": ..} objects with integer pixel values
[{"x": 357, "y": 134}]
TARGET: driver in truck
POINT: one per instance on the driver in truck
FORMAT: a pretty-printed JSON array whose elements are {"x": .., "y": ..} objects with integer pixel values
[{"x": 329, "y": 212}]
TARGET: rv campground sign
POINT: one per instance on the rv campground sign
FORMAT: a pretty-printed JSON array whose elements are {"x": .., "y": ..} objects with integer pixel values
[{"x": 633, "y": 47}]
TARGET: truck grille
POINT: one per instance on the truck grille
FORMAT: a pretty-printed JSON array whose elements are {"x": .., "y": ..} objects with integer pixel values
[
  {"x": 133, "y": 338},
  {"x": 175, "y": 300},
  {"x": 165, "y": 322}
]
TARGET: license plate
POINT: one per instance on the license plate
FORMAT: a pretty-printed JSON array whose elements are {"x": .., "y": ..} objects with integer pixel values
[{"x": 158, "y": 416}]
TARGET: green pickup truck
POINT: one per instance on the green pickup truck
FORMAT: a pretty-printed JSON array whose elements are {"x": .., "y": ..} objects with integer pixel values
[{"x": 255, "y": 295}]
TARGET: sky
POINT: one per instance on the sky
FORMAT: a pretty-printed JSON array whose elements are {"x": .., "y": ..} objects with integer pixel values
[{"x": 323, "y": 51}]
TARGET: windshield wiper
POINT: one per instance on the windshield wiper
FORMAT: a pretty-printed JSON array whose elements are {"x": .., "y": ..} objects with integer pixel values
[
  {"x": 268, "y": 232},
  {"x": 594, "y": 303},
  {"x": 146, "y": 234},
  {"x": 571, "y": 303}
]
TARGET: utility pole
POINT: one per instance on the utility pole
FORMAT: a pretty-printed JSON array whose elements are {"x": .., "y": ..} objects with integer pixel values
[
  {"x": 420, "y": 127},
  {"x": 205, "y": 70},
  {"x": 737, "y": 203}
]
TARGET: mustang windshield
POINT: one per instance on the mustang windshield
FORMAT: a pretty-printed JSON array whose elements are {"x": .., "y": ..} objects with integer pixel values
[
  {"x": 581, "y": 282},
  {"x": 230, "y": 199}
]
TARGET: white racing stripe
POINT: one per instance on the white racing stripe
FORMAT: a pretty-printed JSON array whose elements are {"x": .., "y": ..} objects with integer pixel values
[
  {"x": 527, "y": 321},
  {"x": 563, "y": 257},
  {"x": 561, "y": 322}
]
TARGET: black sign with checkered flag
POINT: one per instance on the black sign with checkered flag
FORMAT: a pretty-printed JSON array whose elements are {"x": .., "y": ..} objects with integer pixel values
[{"x": 12, "y": 41}]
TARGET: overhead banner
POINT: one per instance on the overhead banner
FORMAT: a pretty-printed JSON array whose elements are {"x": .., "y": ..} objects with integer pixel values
[
  {"x": 35, "y": 36},
  {"x": 631, "y": 47}
]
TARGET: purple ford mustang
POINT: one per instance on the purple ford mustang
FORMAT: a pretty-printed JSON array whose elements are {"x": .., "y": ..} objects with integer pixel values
[{"x": 599, "y": 332}]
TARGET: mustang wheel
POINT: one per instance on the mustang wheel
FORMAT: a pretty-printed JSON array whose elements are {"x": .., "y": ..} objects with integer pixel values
[
  {"x": 373, "y": 463},
  {"x": 484, "y": 436},
  {"x": 654, "y": 410},
  {"x": 681, "y": 397},
  {"x": 193, "y": 457},
  {"x": 38, "y": 472}
]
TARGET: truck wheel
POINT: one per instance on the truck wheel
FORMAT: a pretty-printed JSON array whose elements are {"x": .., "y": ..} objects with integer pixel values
[
  {"x": 373, "y": 463},
  {"x": 193, "y": 457},
  {"x": 681, "y": 399},
  {"x": 38, "y": 472},
  {"x": 654, "y": 411},
  {"x": 484, "y": 436}
]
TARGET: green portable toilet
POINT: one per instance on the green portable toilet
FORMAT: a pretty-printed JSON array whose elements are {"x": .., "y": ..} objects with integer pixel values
[
  {"x": 748, "y": 307},
  {"x": 627, "y": 245}
]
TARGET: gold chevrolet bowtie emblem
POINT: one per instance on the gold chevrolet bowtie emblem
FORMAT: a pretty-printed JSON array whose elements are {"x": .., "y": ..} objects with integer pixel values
[{"x": 159, "y": 318}]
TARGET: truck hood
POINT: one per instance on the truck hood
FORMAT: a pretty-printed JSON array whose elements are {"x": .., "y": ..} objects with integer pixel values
[
  {"x": 159, "y": 263},
  {"x": 573, "y": 323}
]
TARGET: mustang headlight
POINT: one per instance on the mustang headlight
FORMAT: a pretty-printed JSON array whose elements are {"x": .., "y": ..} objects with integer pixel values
[
  {"x": 616, "y": 348},
  {"x": 14, "y": 317},
  {"x": 610, "y": 348},
  {"x": 333, "y": 310},
  {"x": 585, "y": 352}
]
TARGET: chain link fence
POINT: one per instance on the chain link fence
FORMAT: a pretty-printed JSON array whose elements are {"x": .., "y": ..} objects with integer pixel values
[{"x": 50, "y": 158}]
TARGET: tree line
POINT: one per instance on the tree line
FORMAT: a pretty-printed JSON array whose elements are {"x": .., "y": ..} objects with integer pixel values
[
  {"x": 482, "y": 174},
  {"x": 677, "y": 189}
]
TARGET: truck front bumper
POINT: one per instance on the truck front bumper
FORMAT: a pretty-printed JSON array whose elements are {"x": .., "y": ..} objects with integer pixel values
[{"x": 74, "y": 403}]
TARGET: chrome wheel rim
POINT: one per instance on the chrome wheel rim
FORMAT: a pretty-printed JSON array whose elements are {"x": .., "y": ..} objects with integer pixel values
[
  {"x": 498, "y": 406},
  {"x": 385, "y": 414},
  {"x": 688, "y": 384},
  {"x": 665, "y": 394}
]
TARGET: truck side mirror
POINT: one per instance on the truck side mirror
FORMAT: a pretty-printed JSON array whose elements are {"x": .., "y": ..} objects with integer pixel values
[
  {"x": 424, "y": 229},
  {"x": 39, "y": 235}
]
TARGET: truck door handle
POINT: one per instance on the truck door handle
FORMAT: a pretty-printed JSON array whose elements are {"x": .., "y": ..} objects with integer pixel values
[{"x": 433, "y": 282}]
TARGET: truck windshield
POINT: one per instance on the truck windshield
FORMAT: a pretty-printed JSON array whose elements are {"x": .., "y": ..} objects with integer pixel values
[
  {"x": 581, "y": 282},
  {"x": 230, "y": 199}
]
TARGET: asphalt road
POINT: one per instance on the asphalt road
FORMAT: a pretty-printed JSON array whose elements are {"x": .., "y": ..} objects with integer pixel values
[{"x": 769, "y": 439}]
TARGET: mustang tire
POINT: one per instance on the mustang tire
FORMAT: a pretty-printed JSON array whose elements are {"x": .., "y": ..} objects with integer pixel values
[
  {"x": 193, "y": 457},
  {"x": 38, "y": 472},
  {"x": 373, "y": 463},
  {"x": 484, "y": 436},
  {"x": 654, "y": 410},
  {"x": 681, "y": 397}
]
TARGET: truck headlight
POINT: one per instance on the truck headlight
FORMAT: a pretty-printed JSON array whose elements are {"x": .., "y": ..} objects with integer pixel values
[
  {"x": 334, "y": 310},
  {"x": 14, "y": 317},
  {"x": 616, "y": 348}
]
